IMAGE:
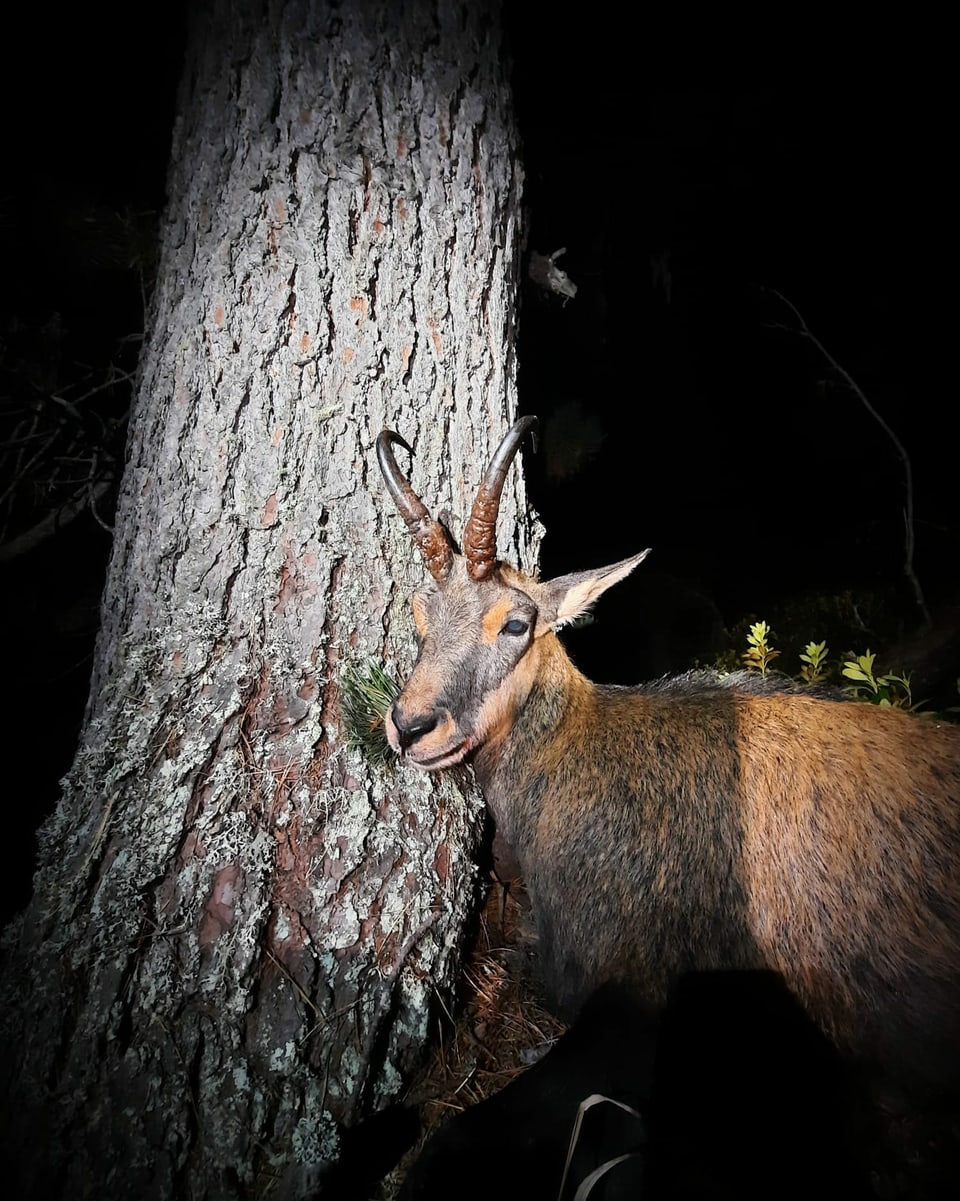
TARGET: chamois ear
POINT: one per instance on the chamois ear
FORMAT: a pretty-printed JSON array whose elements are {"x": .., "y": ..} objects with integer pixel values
[{"x": 566, "y": 597}]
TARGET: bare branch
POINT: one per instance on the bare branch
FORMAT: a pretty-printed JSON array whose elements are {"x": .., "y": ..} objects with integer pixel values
[
  {"x": 53, "y": 522},
  {"x": 908, "y": 517}
]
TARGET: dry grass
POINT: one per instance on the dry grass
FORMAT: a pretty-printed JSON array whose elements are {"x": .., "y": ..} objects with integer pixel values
[{"x": 501, "y": 1027}]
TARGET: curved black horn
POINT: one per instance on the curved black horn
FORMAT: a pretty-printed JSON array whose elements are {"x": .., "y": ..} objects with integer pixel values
[
  {"x": 427, "y": 532},
  {"x": 480, "y": 534}
]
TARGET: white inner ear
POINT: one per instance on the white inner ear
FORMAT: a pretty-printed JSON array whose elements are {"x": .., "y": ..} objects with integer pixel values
[
  {"x": 587, "y": 587},
  {"x": 579, "y": 598}
]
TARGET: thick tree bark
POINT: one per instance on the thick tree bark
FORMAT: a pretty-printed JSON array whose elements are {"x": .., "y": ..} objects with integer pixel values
[{"x": 238, "y": 928}]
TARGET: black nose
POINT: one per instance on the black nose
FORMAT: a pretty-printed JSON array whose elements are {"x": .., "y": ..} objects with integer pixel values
[{"x": 409, "y": 729}]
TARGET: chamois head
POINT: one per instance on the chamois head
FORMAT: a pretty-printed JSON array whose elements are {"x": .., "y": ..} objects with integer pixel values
[{"x": 482, "y": 625}]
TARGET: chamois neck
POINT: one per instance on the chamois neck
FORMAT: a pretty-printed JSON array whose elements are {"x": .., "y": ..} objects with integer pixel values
[
  {"x": 557, "y": 675},
  {"x": 552, "y": 690}
]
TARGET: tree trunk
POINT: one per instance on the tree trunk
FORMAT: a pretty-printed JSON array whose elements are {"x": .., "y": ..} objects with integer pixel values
[{"x": 238, "y": 927}]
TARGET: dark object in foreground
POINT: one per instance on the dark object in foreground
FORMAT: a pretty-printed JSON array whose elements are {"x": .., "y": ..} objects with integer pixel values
[{"x": 739, "y": 1093}]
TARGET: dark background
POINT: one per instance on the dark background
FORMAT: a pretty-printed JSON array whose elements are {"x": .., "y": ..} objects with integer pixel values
[{"x": 680, "y": 408}]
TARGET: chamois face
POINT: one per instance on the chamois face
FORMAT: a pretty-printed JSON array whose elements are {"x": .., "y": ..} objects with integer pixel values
[
  {"x": 470, "y": 671},
  {"x": 480, "y": 651},
  {"x": 482, "y": 627}
]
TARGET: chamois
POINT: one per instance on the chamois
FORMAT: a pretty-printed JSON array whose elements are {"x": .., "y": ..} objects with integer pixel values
[{"x": 695, "y": 823}]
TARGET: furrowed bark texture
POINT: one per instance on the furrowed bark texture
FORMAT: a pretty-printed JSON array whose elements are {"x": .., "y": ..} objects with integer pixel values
[{"x": 238, "y": 928}]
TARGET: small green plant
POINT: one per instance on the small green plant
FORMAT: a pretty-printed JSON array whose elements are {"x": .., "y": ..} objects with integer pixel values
[
  {"x": 815, "y": 668},
  {"x": 889, "y": 689},
  {"x": 367, "y": 692},
  {"x": 759, "y": 654}
]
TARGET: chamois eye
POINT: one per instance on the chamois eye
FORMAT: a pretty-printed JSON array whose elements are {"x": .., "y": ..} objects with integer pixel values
[{"x": 515, "y": 626}]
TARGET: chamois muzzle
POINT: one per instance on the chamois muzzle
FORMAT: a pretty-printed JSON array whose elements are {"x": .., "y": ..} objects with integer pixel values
[
  {"x": 409, "y": 729},
  {"x": 429, "y": 739}
]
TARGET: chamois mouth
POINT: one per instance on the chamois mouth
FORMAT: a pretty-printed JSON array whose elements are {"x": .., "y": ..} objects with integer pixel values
[{"x": 447, "y": 758}]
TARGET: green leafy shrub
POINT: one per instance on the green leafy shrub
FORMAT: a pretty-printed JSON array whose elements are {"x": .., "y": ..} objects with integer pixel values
[
  {"x": 759, "y": 654},
  {"x": 816, "y": 667},
  {"x": 891, "y": 689}
]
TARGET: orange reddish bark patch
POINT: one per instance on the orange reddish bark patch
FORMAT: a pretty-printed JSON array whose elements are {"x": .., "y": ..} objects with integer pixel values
[
  {"x": 287, "y": 589},
  {"x": 219, "y": 316},
  {"x": 441, "y": 862},
  {"x": 221, "y": 905},
  {"x": 269, "y": 514}
]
